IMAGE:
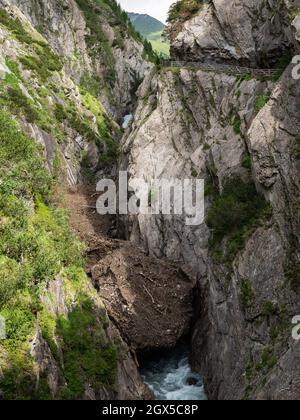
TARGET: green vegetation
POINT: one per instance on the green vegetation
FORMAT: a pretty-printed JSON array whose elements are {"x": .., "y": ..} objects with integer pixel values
[
  {"x": 43, "y": 64},
  {"x": 91, "y": 84},
  {"x": 247, "y": 293},
  {"x": 36, "y": 246},
  {"x": 261, "y": 101},
  {"x": 250, "y": 368},
  {"x": 15, "y": 26},
  {"x": 184, "y": 10},
  {"x": 268, "y": 360},
  {"x": 152, "y": 30},
  {"x": 234, "y": 120},
  {"x": 294, "y": 12},
  {"x": 210, "y": 189},
  {"x": 194, "y": 173},
  {"x": 145, "y": 24},
  {"x": 86, "y": 358},
  {"x": 108, "y": 147},
  {"x": 269, "y": 309},
  {"x": 19, "y": 103},
  {"x": 45, "y": 61},
  {"x": 292, "y": 274},
  {"x": 247, "y": 163},
  {"x": 36, "y": 243},
  {"x": 15, "y": 97},
  {"x": 234, "y": 216},
  {"x": 237, "y": 125},
  {"x": 297, "y": 147},
  {"x": 161, "y": 47},
  {"x": 97, "y": 40}
]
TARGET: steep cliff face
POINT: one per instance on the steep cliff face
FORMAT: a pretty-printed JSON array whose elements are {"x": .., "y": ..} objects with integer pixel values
[
  {"x": 251, "y": 302},
  {"x": 188, "y": 124},
  {"x": 254, "y": 33},
  {"x": 98, "y": 45},
  {"x": 54, "y": 68},
  {"x": 241, "y": 135}
]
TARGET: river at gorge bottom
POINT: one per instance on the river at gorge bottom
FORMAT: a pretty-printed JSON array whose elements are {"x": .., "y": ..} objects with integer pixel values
[{"x": 170, "y": 376}]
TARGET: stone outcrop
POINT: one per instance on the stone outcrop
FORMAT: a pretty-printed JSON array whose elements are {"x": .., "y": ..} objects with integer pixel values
[
  {"x": 188, "y": 123},
  {"x": 255, "y": 32}
]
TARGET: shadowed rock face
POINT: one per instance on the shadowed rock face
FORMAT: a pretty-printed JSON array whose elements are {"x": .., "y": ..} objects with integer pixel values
[{"x": 252, "y": 32}]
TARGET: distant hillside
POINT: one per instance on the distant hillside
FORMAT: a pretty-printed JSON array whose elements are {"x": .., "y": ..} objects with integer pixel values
[
  {"x": 151, "y": 29},
  {"x": 145, "y": 24}
]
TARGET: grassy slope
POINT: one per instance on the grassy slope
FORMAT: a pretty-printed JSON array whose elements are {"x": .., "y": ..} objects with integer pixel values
[{"x": 158, "y": 44}]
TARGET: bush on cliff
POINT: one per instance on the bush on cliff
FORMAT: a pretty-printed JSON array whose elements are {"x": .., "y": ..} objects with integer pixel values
[
  {"x": 184, "y": 9},
  {"x": 234, "y": 215}
]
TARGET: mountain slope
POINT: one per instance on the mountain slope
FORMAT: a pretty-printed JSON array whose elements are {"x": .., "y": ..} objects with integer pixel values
[
  {"x": 57, "y": 62},
  {"x": 151, "y": 29},
  {"x": 145, "y": 24}
]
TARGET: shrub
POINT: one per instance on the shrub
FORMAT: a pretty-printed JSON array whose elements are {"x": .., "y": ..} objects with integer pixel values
[
  {"x": 261, "y": 101},
  {"x": 297, "y": 147},
  {"x": 60, "y": 113},
  {"x": 247, "y": 163},
  {"x": 184, "y": 9},
  {"x": 268, "y": 360},
  {"x": 292, "y": 273},
  {"x": 96, "y": 39},
  {"x": 21, "y": 166},
  {"x": 247, "y": 293},
  {"x": 86, "y": 357},
  {"x": 237, "y": 125},
  {"x": 269, "y": 309},
  {"x": 91, "y": 84},
  {"x": 10, "y": 279},
  {"x": 44, "y": 63},
  {"x": 46, "y": 60},
  {"x": 20, "y": 104},
  {"x": 15, "y": 27},
  {"x": 235, "y": 214},
  {"x": 234, "y": 120}
]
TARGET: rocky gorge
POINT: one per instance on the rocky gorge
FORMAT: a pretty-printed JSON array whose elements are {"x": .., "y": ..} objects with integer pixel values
[{"x": 77, "y": 327}]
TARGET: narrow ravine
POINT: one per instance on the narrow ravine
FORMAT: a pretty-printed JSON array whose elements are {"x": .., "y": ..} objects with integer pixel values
[
  {"x": 170, "y": 377},
  {"x": 168, "y": 374}
]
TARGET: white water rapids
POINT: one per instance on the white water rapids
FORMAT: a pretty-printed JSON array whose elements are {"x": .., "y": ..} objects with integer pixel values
[{"x": 170, "y": 377}]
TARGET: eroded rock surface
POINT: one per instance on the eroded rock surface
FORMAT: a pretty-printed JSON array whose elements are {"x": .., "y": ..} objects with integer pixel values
[
  {"x": 192, "y": 122},
  {"x": 255, "y": 32}
]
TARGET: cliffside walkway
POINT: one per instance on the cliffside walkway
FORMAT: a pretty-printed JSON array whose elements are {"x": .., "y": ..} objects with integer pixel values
[{"x": 222, "y": 68}]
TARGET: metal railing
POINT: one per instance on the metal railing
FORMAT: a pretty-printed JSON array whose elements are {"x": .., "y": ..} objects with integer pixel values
[{"x": 222, "y": 68}]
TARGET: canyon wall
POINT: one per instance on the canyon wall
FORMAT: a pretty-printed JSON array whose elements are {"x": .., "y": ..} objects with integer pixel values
[{"x": 240, "y": 134}]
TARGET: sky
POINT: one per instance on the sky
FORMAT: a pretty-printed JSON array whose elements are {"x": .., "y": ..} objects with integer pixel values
[{"x": 155, "y": 8}]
